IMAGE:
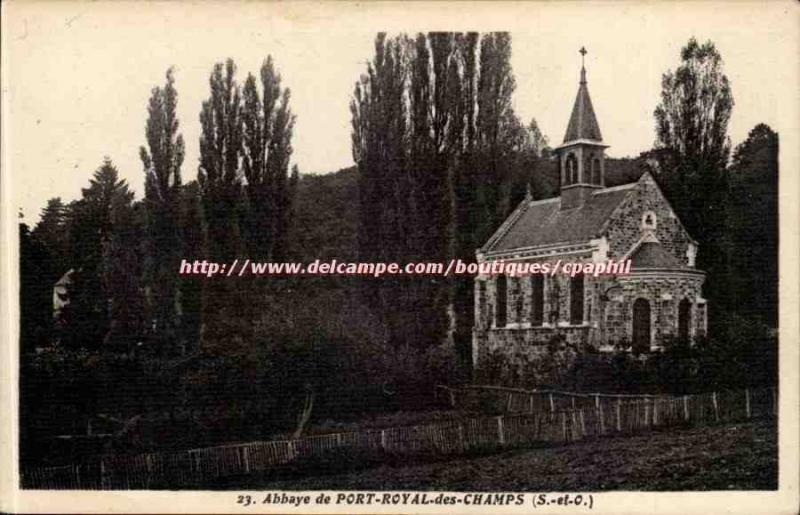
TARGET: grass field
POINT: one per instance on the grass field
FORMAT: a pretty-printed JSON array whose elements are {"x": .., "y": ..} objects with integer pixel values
[{"x": 728, "y": 457}]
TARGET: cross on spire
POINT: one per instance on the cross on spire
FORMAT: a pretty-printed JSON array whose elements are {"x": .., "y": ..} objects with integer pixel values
[{"x": 583, "y": 53}]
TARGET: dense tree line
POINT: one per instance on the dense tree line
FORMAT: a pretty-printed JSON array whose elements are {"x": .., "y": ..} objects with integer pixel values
[
  {"x": 118, "y": 258},
  {"x": 441, "y": 159},
  {"x": 728, "y": 205},
  {"x": 438, "y": 149}
]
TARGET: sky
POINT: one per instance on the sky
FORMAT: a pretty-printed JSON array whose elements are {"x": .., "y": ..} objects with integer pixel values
[{"x": 77, "y": 76}]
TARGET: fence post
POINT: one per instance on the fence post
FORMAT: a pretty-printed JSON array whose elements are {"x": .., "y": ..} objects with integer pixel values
[
  {"x": 577, "y": 435},
  {"x": 600, "y": 414},
  {"x": 619, "y": 414},
  {"x": 655, "y": 412},
  {"x": 564, "y": 425},
  {"x": 583, "y": 422},
  {"x": 747, "y": 401},
  {"x": 573, "y": 402},
  {"x": 686, "y": 407},
  {"x": 246, "y": 457},
  {"x": 552, "y": 406},
  {"x": 508, "y": 402},
  {"x": 500, "y": 431},
  {"x": 383, "y": 439},
  {"x": 716, "y": 406},
  {"x": 531, "y": 402}
]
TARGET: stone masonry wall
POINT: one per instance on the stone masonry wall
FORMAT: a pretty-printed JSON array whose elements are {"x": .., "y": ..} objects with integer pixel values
[
  {"x": 625, "y": 225},
  {"x": 663, "y": 295}
]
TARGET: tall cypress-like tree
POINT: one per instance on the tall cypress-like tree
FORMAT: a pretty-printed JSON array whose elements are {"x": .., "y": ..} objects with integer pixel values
[
  {"x": 162, "y": 160},
  {"x": 220, "y": 178},
  {"x": 496, "y": 128},
  {"x": 432, "y": 130},
  {"x": 219, "y": 173},
  {"x": 266, "y": 149},
  {"x": 380, "y": 149},
  {"x": 693, "y": 148}
]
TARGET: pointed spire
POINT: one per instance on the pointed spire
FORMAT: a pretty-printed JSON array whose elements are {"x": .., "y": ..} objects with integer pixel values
[{"x": 583, "y": 122}]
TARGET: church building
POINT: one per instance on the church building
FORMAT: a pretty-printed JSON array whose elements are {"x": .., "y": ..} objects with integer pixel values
[{"x": 660, "y": 297}]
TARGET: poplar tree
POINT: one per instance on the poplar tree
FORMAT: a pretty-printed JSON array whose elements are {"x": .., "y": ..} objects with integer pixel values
[
  {"x": 219, "y": 176},
  {"x": 268, "y": 124},
  {"x": 162, "y": 160},
  {"x": 693, "y": 149},
  {"x": 219, "y": 173},
  {"x": 433, "y": 129}
]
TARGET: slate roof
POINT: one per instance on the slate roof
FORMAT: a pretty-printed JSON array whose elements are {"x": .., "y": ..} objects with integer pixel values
[
  {"x": 651, "y": 254},
  {"x": 583, "y": 122},
  {"x": 543, "y": 222}
]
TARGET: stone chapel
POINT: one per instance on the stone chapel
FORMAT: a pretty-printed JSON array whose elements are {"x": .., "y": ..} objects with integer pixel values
[{"x": 661, "y": 296}]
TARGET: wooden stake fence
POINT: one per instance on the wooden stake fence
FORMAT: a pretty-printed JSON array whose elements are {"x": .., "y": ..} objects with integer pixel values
[{"x": 197, "y": 466}]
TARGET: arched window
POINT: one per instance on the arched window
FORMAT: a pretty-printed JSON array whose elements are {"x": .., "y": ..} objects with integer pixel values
[
  {"x": 684, "y": 318},
  {"x": 571, "y": 171},
  {"x": 641, "y": 326},
  {"x": 482, "y": 301},
  {"x": 649, "y": 221},
  {"x": 555, "y": 301},
  {"x": 576, "y": 300},
  {"x": 501, "y": 301},
  {"x": 596, "y": 179},
  {"x": 518, "y": 300},
  {"x": 537, "y": 299}
]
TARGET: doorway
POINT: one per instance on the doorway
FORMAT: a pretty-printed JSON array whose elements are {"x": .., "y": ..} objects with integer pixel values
[{"x": 641, "y": 326}]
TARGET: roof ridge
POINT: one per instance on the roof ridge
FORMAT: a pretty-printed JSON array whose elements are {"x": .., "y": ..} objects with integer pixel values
[
  {"x": 619, "y": 187},
  {"x": 506, "y": 225}
]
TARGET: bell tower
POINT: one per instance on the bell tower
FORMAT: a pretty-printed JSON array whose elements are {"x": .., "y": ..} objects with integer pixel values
[{"x": 581, "y": 157}]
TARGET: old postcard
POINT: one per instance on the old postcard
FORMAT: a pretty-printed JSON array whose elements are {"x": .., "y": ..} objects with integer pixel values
[{"x": 424, "y": 257}]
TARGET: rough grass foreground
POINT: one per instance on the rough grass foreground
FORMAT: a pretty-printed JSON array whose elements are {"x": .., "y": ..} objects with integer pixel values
[{"x": 740, "y": 456}]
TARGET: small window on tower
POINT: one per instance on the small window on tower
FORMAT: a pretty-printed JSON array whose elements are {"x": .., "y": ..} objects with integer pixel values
[{"x": 571, "y": 170}]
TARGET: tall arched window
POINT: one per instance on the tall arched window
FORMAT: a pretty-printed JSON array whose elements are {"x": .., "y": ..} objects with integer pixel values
[
  {"x": 482, "y": 302},
  {"x": 501, "y": 301},
  {"x": 684, "y": 318},
  {"x": 571, "y": 169},
  {"x": 518, "y": 300},
  {"x": 537, "y": 299},
  {"x": 641, "y": 325},
  {"x": 576, "y": 300},
  {"x": 555, "y": 301}
]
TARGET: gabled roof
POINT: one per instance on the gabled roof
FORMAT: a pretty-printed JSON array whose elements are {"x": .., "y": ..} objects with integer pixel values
[
  {"x": 543, "y": 222},
  {"x": 651, "y": 254},
  {"x": 583, "y": 122}
]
